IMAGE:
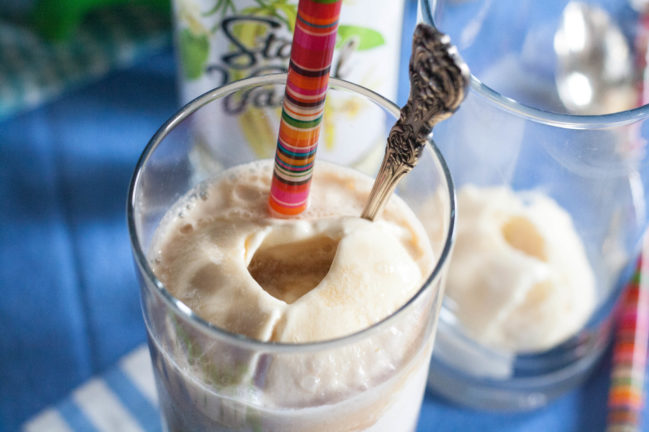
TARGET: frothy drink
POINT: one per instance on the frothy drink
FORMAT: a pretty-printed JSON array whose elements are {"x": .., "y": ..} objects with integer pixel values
[{"x": 327, "y": 275}]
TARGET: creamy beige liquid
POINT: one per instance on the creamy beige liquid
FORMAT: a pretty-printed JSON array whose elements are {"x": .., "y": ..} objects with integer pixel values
[{"x": 320, "y": 277}]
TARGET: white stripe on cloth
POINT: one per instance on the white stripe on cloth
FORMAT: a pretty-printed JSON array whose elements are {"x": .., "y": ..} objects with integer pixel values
[
  {"x": 137, "y": 366},
  {"x": 103, "y": 408},
  {"x": 49, "y": 420}
]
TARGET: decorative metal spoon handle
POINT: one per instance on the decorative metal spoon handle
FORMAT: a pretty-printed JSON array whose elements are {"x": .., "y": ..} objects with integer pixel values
[{"x": 438, "y": 82}]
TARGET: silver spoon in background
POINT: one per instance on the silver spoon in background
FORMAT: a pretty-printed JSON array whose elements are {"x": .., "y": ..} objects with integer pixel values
[
  {"x": 595, "y": 73},
  {"x": 438, "y": 83}
]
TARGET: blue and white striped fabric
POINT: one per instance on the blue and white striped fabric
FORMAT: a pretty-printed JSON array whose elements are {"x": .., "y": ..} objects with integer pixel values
[{"x": 122, "y": 399}]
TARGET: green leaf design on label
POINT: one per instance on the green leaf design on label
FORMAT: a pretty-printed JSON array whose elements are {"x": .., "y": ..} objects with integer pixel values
[
  {"x": 280, "y": 9},
  {"x": 194, "y": 50},
  {"x": 367, "y": 38},
  {"x": 223, "y": 6},
  {"x": 291, "y": 14}
]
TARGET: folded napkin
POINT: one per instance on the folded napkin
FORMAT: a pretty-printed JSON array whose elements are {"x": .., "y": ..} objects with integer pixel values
[{"x": 122, "y": 399}]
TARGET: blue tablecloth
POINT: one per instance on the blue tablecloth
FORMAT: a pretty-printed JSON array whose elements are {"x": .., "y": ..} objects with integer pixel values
[
  {"x": 69, "y": 301},
  {"x": 69, "y": 306}
]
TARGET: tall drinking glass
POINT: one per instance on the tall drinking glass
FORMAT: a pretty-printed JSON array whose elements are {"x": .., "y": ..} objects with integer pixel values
[
  {"x": 516, "y": 130},
  {"x": 211, "y": 379}
]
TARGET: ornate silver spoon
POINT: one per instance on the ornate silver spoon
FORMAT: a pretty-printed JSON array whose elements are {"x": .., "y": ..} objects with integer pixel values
[{"x": 438, "y": 82}]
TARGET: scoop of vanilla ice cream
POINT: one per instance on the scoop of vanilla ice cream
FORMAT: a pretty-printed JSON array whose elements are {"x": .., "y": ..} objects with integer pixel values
[
  {"x": 519, "y": 278},
  {"x": 203, "y": 255},
  {"x": 206, "y": 247},
  {"x": 370, "y": 277}
]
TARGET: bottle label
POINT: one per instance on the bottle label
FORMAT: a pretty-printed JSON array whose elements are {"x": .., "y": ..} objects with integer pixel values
[{"x": 220, "y": 41}]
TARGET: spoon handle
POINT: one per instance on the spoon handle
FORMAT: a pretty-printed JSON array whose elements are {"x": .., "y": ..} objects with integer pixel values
[
  {"x": 386, "y": 181},
  {"x": 438, "y": 81}
]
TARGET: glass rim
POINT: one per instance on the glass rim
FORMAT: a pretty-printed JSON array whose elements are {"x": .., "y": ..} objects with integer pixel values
[
  {"x": 538, "y": 115},
  {"x": 187, "y": 313}
]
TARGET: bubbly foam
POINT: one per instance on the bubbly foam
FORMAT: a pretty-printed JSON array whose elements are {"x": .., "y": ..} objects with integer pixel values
[{"x": 324, "y": 275}]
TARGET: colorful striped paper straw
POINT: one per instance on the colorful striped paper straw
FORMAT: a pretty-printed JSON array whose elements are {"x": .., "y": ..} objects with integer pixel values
[
  {"x": 626, "y": 394},
  {"x": 306, "y": 88}
]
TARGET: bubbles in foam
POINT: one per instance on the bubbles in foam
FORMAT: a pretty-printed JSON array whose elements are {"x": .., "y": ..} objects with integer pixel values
[
  {"x": 362, "y": 375},
  {"x": 213, "y": 253},
  {"x": 247, "y": 193},
  {"x": 395, "y": 331},
  {"x": 157, "y": 257},
  {"x": 384, "y": 268},
  {"x": 238, "y": 213},
  {"x": 202, "y": 191},
  {"x": 310, "y": 382}
]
